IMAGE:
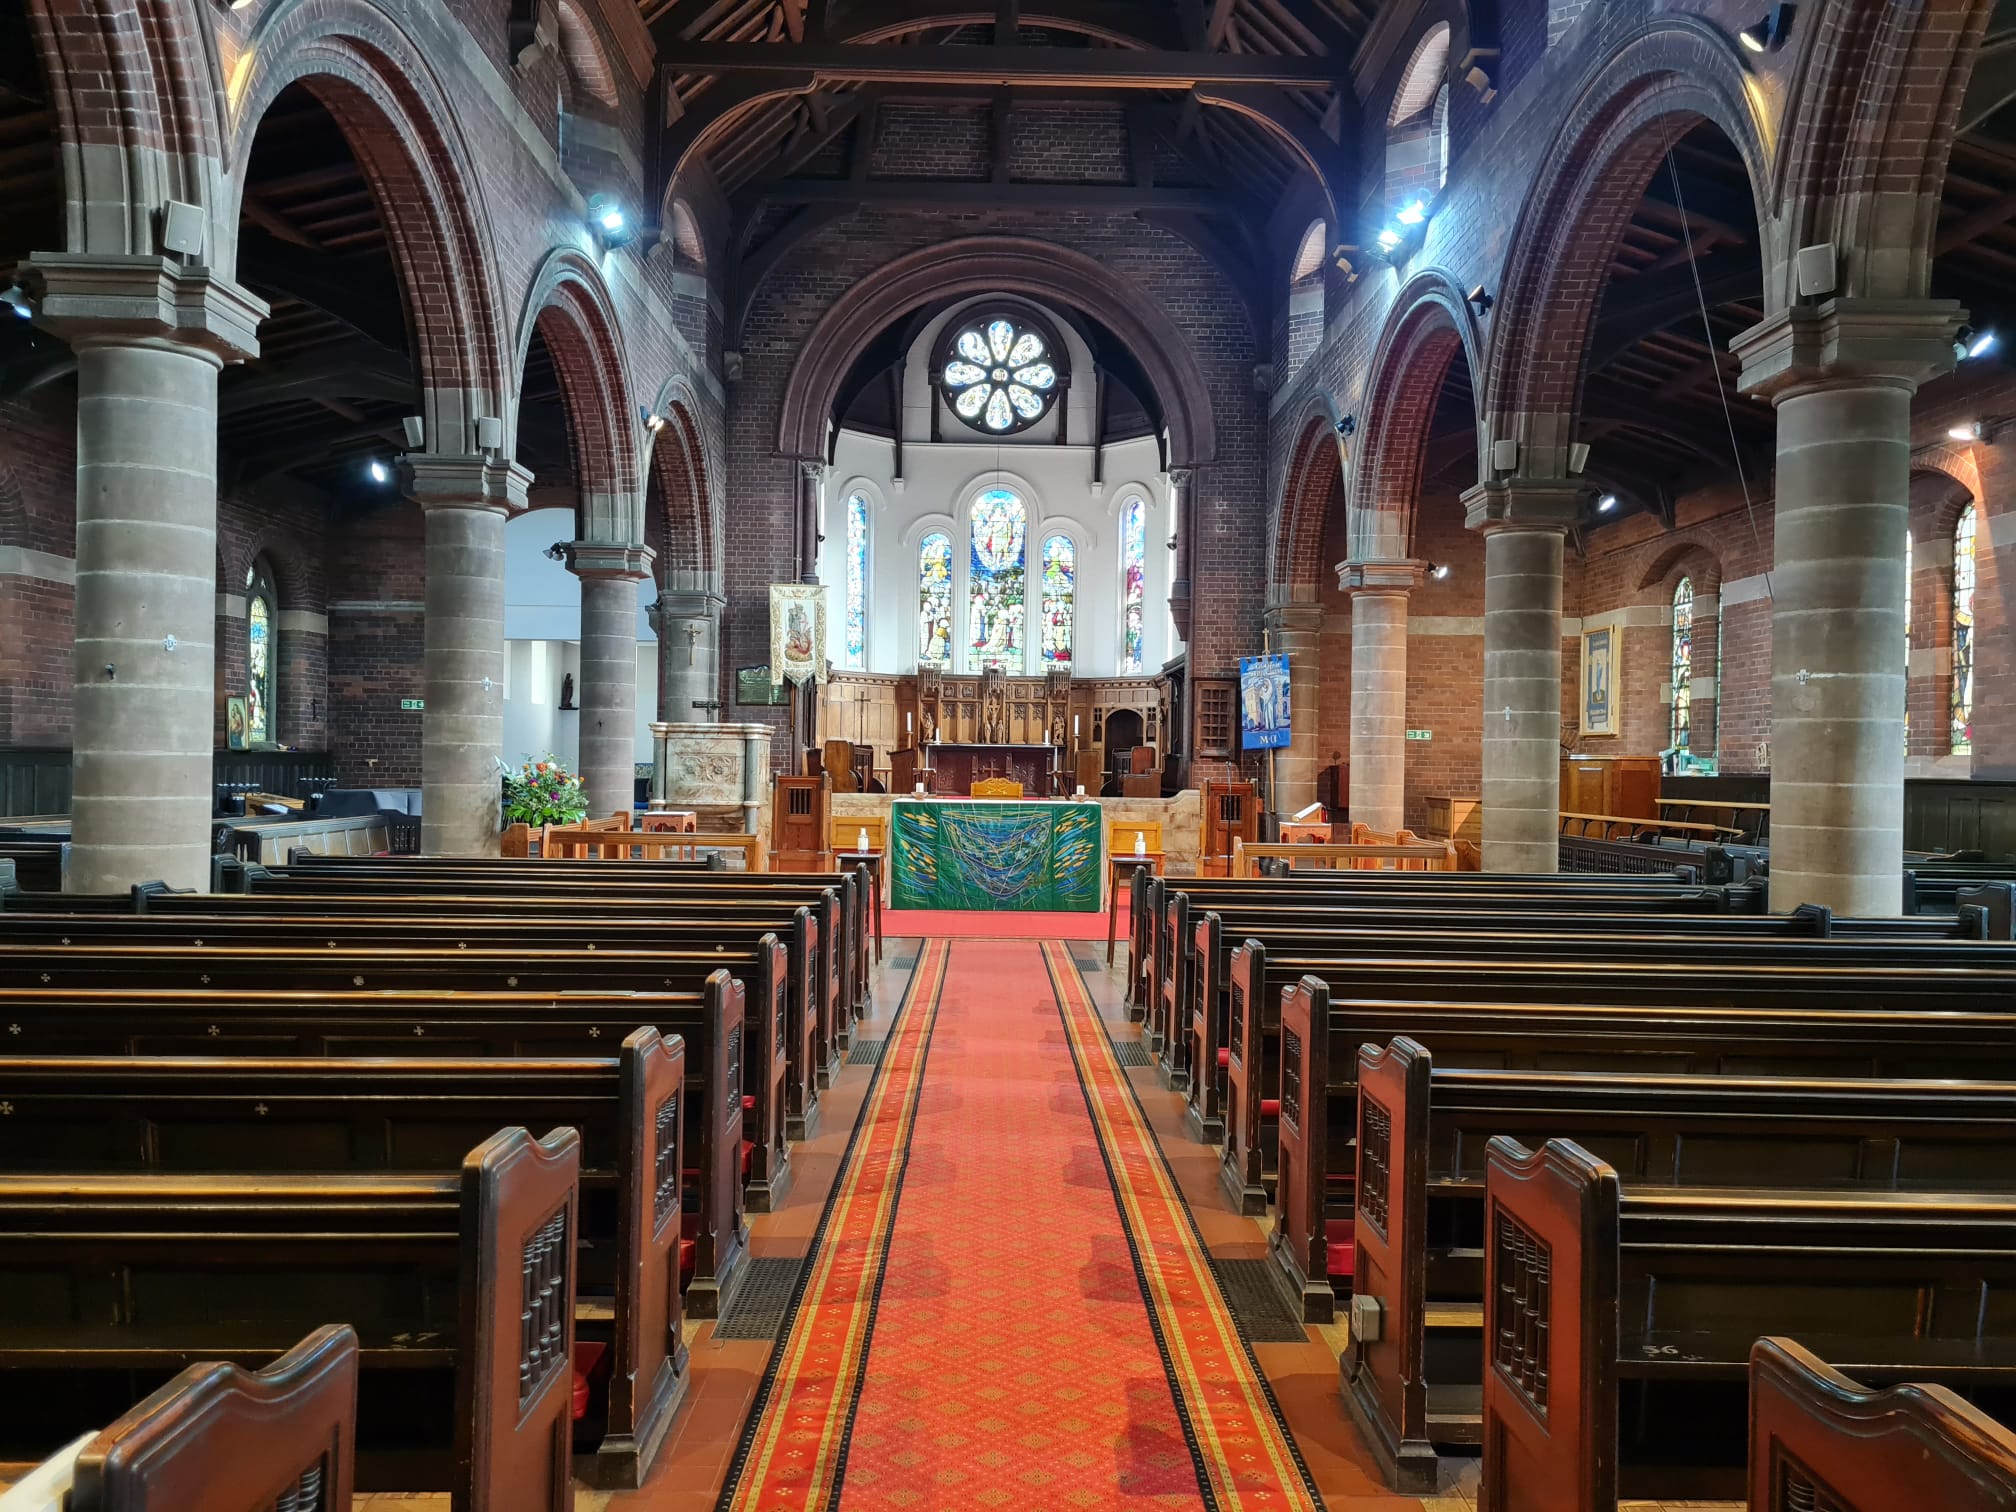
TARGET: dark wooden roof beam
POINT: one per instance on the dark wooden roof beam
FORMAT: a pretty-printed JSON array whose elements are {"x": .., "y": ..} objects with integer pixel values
[
  {"x": 962, "y": 194},
  {"x": 1092, "y": 68}
]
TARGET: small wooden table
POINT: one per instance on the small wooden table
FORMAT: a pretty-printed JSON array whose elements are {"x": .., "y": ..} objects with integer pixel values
[
  {"x": 1120, "y": 872},
  {"x": 870, "y": 862}
]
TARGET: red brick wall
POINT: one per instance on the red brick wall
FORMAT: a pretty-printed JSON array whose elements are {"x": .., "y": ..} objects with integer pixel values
[{"x": 377, "y": 643}]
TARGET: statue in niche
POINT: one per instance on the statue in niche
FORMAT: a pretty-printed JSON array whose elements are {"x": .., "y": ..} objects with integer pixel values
[{"x": 567, "y": 690}]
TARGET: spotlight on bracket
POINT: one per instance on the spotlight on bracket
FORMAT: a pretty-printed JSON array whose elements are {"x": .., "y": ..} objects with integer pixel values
[
  {"x": 1607, "y": 503},
  {"x": 1480, "y": 301},
  {"x": 378, "y": 472},
  {"x": 557, "y": 552},
  {"x": 1973, "y": 343},
  {"x": 16, "y": 299},
  {"x": 610, "y": 222},
  {"x": 1769, "y": 34},
  {"x": 1438, "y": 570},
  {"x": 1347, "y": 425},
  {"x": 1972, "y": 431}
]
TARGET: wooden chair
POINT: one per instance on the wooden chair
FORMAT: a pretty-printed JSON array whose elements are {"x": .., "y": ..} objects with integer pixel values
[
  {"x": 838, "y": 759},
  {"x": 996, "y": 787}
]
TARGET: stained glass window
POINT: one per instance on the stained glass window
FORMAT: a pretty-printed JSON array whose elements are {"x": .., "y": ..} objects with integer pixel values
[
  {"x": 1133, "y": 581},
  {"x": 1683, "y": 666},
  {"x": 261, "y": 625},
  {"x": 995, "y": 596},
  {"x": 934, "y": 600},
  {"x": 1060, "y": 578},
  {"x": 857, "y": 582},
  {"x": 1963, "y": 633},
  {"x": 1000, "y": 375}
]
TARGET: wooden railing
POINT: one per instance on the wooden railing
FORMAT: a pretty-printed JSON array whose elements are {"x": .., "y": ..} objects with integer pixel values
[{"x": 1419, "y": 855}]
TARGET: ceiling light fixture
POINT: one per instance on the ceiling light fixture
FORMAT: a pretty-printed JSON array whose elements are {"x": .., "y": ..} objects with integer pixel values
[
  {"x": 1982, "y": 344},
  {"x": 380, "y": 473},
  {"x": 1607, "y": 503},
  {"x": 1968, "y": 432},
  {"x": 610, "y": 221},
  {"x": 1769, "y": 34},
  {"x": 16, "y": 299},
  {"x": 1438, "y": 570}
]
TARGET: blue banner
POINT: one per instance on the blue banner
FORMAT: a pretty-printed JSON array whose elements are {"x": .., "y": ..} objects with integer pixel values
[{"x": 1263, "y": 702}]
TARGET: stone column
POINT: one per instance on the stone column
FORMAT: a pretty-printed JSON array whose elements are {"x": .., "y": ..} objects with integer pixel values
[
  {"x": 608, "y": 755},
  {"x": 1378, "y": 592},
  {"x": 1523, "y": 521},
  {"x": 687, "y": 623},
  {"x": 466, "y": 499},
  {"x": 150, "y": 338},
  {"x": 1841, "y": 375},
  {"x": 1296, "y": 631}
]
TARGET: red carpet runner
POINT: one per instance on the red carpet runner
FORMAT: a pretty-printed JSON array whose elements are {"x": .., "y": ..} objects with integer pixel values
[{"x": 1008, "y": 1305}]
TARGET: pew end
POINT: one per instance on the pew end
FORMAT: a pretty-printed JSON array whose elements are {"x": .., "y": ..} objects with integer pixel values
[
  {"x": 1242, "y": 1171},
  {"x": 1813, "y": 1430}
]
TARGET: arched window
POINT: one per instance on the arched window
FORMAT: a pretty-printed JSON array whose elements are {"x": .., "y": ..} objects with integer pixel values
[
  {"x": 1417, "y": 123},
  {"x": 996, "y": 594},
  {"x": 856, "y": 647},
  {"x": 1060, "y": 579},
  {"x": 1682, "y": 730},
  {"x": 1133, "y": 581},
  {"x": 934, "y": 600},
  {"x": 262, "y": 637},
  {"x": 1963, "y": 633}
]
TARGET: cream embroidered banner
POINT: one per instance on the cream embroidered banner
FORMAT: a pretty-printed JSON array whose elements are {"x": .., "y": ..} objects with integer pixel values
[{"x": 797, "y": 632}]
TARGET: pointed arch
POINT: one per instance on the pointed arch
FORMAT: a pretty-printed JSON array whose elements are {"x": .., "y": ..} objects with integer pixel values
[
  {"x": 1313, "y": 485},
  {"x": 691, "y": 497}
]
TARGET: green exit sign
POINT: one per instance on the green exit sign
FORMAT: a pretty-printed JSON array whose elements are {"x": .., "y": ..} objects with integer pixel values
[
  {"x": 412, "y": 703},
  {"x": 1420, "y": 734}
]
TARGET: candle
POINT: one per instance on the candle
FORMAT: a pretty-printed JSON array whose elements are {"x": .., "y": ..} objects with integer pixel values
[
  {"x": 906, "y": 725},
  {"x": 1074, "y": 726}
]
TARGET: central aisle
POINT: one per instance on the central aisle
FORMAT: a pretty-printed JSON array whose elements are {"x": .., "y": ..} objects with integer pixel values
[{"x": 1008, "y": 1305}]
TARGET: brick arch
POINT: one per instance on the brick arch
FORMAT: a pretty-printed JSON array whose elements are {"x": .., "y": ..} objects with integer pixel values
[
  {"x": 142, "y": 79},
  {"x": 569, "y": 306},
  {"x": 998, "y": 265},
  {"x": 586, "y": 56},
  {"x": 397, "y": 114},
  {"x": 1690, "y": 557},
  {"x": 691, "y": 553},
  {"x": 1873, "y": 105},
  {"x": 13, "y": 507},
  {"x": 1313, "y": 487},
  {"x": 1428, "y": 328},
  {"x": 1639, "y": 99},
  {"x": 1956, "y": 462}
]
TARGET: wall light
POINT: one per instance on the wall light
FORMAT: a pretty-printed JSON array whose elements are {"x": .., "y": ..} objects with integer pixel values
[
  {"x": 1607, "y": 503},
  {"x": 1973, "y": 343},
  {"x": 1968, "y": 432},
  {"x": 610, "y": 221},
  {"x": 16, "y": 299},
  {"x": 379, "y": 472},
  {"x": 1438, "y": 570},
  {"x": 1769, "y": 34},
  {"x": 1415, "y": 214}
]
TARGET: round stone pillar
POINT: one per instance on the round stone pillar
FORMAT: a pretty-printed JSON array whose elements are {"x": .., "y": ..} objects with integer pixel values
[
  {"x": 687, "y": 623},
  {"x": 466, "y": 500},
  {"x": 1378, "y": 592},
  {"x": 608, "y": 751},
  {"x": 1295, "y": 631},
  {"x": 1841, "y": 375},
  {"x": 1523, "y": 521},
  {"x": 150, "y": 338}
]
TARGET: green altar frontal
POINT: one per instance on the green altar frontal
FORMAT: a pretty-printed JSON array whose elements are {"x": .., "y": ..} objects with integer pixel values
[{"x": 995, "y": 854}]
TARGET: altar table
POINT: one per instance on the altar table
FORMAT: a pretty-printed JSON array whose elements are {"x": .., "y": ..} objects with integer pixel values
[{"x": 995, "y": 854}]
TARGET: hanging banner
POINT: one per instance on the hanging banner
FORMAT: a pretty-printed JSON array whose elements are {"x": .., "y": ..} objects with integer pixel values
[
  {"x": 797, "y": 632},
  {"x": 1263, "y": 702}
]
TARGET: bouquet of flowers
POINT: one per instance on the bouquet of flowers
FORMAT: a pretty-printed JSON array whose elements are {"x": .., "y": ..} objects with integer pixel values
[{"x": 543, "y": 792}]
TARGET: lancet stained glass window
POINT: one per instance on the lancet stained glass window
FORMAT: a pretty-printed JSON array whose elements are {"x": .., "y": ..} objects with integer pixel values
[
  {"x": 1963, "y": 633},
  {"x": 997, "y": 587},
  {"x": 1683, "y": 666},
  {"x": 1060, "y": 579},
  {"x": 261, "y": 626},
  {"x": 1000, "y": 375},
  {"x": 856, "y": 647},
  {"x": 1133, "y": 581},
  {"x": 934, "y": 599}
]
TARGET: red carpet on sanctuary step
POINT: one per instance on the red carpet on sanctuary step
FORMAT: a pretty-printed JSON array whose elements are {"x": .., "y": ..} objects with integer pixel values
[{"x": 948, "y": 924}]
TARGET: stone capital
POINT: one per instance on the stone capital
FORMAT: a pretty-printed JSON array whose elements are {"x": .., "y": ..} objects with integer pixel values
[
  {"x": 1379, "y": 577},
  {"x": 609, "y": 559},
  {"x": 1898, "y": 342},
  {"x": 437, "y": 480},
  {"x": 100, "y": 300},
  {"x": 675, "y": 604},
  {"x": 1516, "y": 504},
  {"x": 1293, "y": 619}
]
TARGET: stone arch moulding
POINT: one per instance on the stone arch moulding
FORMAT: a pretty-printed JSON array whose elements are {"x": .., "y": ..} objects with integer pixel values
[
  {"x": 692, "y": 490},
  {"x": 1691, "y": 557},
  {"x": 1318, "y": 468},
  {"x": 1007, "y": 265},
  {"x": 569, "y": 304},
  {"x": 1636, "y": 101},
  {"x": 395, "y": 112},
  {"x": 1429, "y": 324},
  {"x": 1954, "y": 461}
]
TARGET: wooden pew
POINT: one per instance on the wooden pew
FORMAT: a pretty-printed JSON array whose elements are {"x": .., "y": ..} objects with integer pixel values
[
  {"x": 460, "y": 1286},
  {"x": 204, "y": 1020},
  {"x": 218, "y": 1437},
  {"x": 778, "y": 982},
  {"x": 1620, "y": 1319},
  {"x": 111, "y": 1115},
  {"x": 1812, "y": 1430},
  {"x": 1411, "y": 1374}
]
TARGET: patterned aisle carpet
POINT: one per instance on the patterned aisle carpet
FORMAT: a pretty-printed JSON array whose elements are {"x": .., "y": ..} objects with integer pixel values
[
  {"x": 1008, "y": 1305},
  {"x": 909, "y": 923}
]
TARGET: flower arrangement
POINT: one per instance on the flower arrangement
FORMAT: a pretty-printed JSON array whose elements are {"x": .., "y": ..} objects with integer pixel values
[{"x": 543, "y": 792}]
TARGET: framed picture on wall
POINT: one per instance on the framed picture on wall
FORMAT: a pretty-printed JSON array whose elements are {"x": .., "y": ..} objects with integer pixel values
[
  {"x": 754, "y": 687},
  {"x": 1602, "y": 680},
  {"x": 236, "y": 721}
]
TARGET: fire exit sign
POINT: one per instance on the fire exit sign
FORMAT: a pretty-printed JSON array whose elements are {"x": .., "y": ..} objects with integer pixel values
[
  {"x": 1420, "y": 734},
  {"x": 412, "y": 703}
]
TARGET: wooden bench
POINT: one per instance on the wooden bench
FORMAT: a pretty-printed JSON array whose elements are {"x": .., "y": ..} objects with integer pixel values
[
  {"x": 1637, "y": 827},
  {"x": 204, "y": 1020},
  {"x": 1812, "y": 1429},
  {"x": 217, "y": 1436},
  {"x": 460, "y": 1286},
  {"x": 1414, "y": 856},
  {"x": 1621, "y": 1318},
  {"x": 111, "y": 1115},
  {"x": 1412, "y": 1373},
  {"x": 272, "y": 841},
  {"x": 575, "y": 843}
]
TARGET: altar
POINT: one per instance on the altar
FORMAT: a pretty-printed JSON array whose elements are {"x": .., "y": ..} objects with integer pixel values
[
  {"x": 956, "y": 767},
  {"x": 996, "y": 854}
]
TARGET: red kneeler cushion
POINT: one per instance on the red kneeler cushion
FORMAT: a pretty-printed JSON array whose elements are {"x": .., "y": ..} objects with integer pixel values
[
  {"x": 748, "y": 1158},
  {"x": 1224, "y": 1056},
  {"x": 1270, "y": 1107},
  {"x": 1337, "y": 1245},
  {"x": 748, "y": 1102},
  {"x": 590, "y": 1362}
]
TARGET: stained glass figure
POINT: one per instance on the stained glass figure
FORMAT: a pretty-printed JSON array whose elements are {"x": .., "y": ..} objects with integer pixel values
[
  {"x": 1133, "y": 581},
  {"x": 1682, "y": 730},
  {"x": 1000, "y": 376},
  {"x": 260, "y": 627},
  {"x": 934, "y": 600},
  {"x": 1060, "y": 577},
  {"x": 1963, "y": 633},
  {"x": 997, "y": 587},
  {"x": 856, "y": 647}
]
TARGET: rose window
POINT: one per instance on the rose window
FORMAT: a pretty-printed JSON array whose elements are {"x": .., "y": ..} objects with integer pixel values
[{"x": 999, "y": 376}]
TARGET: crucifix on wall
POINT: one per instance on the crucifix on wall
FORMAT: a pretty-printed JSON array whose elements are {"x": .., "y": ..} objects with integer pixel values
[{"x": 694, "y": 630}]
